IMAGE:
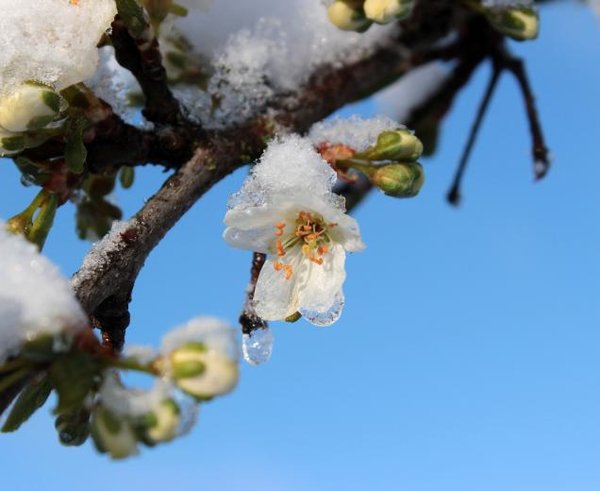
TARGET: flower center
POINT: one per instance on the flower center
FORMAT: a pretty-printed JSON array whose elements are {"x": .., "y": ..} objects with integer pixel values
[{"x": 310, "y": 232}]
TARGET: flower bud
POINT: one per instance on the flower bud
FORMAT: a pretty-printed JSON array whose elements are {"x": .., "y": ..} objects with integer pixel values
[
  {"x": 401, "y": 180},
  {"x": 518, "y": 23},
  {"x": 113, "y": 435},
  {"x": 30, "y": 106},
  {"x": 400, "y": 144},
  {"x": 344, "y": 17},
  {"x": 161, "y": 425},
  {"x": 202, "y": 373},
  {"x": 385, "y": 11}
]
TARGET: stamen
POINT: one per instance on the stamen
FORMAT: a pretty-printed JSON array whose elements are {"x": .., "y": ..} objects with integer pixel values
[
  {"x": 278, "y": 266},
  {"x": 280, "y": 225},
  {"x": 323, "y": 249},
  {"x": 280, "y": 249},
  {"x": 288, "y": 272}
]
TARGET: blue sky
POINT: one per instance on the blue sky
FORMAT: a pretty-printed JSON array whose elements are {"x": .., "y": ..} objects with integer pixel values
[{"x": 467, "y": 355}]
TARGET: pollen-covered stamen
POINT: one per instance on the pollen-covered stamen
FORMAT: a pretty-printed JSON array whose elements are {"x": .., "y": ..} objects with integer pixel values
[{"x": 311, "y": 234}]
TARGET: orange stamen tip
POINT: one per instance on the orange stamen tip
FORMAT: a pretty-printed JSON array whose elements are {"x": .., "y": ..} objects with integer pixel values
[
  {"x": 288, "y": 272},
  {"x": 278, "y": 266},
  {"x": 280, "y": 225},
  {"x": 278, "y": 233}
]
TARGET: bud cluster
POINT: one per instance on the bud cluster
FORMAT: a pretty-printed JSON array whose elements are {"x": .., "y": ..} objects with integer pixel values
[
  {"x": 359, "y": 15},
  {"x": 390, "y": 164}
]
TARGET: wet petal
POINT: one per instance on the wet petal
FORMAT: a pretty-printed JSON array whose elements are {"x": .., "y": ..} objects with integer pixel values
[
  {"x": 323, "y": 281},
  {"x": 276, "y": 298}
]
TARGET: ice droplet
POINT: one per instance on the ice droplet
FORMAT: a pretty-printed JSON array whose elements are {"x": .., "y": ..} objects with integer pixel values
[
  {"x": 27, "y": 180},
  {"x": 328, "y": 317},
  {"x": 257, "y": 346}
]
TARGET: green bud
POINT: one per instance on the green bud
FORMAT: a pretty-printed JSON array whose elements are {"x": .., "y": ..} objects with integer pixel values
[
  {"x": 162, "y": 424},
  {"x": 73, "y": 427},
  {"x": 385, "y": 11},
  {"x": 347, "y": 18},
  {"x": 400, "y": 180},
  {"x": 31, "y": 106},
  {"x": 518, "y": 23},
  {"x": 399, "y": 144},
  {"x": 202, "y": 373},
  {"x": 295, "y": 317},
  {"x": 126, "y": 176},
  {"x": 113, "y": 435}
]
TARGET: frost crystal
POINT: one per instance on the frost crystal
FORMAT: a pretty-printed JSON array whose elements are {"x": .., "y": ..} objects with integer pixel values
[
  {"x": 98, "y": 257},
  {"x": 34, "y": 297},
  {"x": 276, "y": 55},
  {"x": 51, "y": 41},
  {"x": 132, "y": 402},
  {"x": 356, "y": 132}
]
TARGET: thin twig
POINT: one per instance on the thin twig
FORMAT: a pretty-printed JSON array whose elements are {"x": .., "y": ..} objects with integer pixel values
[
  {"x": 454, "y": 193},
  {"x": 540, "y": 153},
  {"x": 249, "y": 320}
]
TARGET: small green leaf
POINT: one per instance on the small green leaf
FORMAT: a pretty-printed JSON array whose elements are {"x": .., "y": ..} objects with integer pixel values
[
  {"x": 75, "y": 151},
  {"x": 73, "y": 376},
  {"x": 32, "y": 397}
]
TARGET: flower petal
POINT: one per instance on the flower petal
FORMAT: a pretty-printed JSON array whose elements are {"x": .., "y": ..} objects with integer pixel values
[
  {"x": 276, "y": 298},
  {"x": 258, "y": 240},
  {"x": 347, "y": 233},
  {"x": 323, "y": 282},
  {"x": 252, "y": 217}
]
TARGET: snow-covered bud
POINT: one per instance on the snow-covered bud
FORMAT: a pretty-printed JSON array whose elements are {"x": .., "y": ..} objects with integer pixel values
[
  {"x": 201, "y": 372},
  {"x": 344, "y": 17},
  {"x": 385, "y": 11},
  {"x": 31, "y": 106},
  {"x": 518, "y": 23},
  {"x": 401, "y": 180},
  {"x": 161, "y": 425},
  {"x": 400, "y": 144},
  {"x": 112, "y": 434}
]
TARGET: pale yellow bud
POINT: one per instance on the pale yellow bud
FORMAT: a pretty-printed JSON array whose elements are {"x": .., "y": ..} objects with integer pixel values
[
  {"x": 385, "y": 11},
  {"x": 30, "y": 106},
  {"x": 163, "y": 422},
  {"x": 112, "y": 434},
  {"x": 519, "y": 23},
  {"x": 346, "y": 18},
  {"x": 203, "y": 373}
]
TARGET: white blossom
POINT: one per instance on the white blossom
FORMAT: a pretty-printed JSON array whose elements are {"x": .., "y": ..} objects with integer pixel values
[{"x": 286, "y": 209}]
